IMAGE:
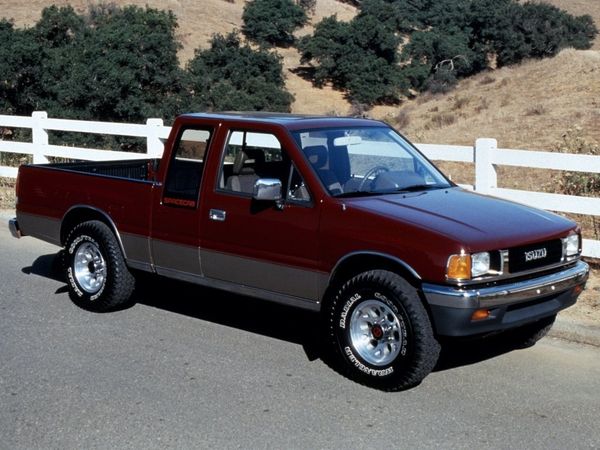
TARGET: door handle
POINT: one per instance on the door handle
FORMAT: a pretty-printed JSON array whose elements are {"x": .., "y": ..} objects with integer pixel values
[{"x": 217, "y": 214}]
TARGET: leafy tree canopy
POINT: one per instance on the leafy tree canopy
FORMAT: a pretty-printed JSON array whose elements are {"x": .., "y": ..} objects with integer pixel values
[
  {"x": 120, "y": 64},
  {"x": 233, "y": 76},
  {"x": 445, "y": 40},
  {"x": 272, "y": 22},
  {"x": 359, "y": 56}
]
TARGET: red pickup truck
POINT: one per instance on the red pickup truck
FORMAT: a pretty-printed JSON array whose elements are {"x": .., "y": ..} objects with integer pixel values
[{"x": 338, "y": 215}]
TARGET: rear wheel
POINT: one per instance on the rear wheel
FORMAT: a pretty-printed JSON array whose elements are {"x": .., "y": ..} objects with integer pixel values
[
  {"x": 380, "y": 333},
  {"x": 96, "y": 273}
]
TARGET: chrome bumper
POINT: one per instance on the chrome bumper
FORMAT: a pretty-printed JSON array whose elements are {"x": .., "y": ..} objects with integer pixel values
[
  {"x": 13, "y": 226},
  {"x": 505, "y": 294}
]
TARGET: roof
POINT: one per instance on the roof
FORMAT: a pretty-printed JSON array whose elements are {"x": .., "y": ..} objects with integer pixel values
[{"x": 290, "y": 121}]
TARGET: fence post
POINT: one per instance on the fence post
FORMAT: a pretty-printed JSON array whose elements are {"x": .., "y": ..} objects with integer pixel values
[
  {"x": 39, "y": 137},
  {"x": 154, "y": 146},
  {"x": 486, "y": 178}
]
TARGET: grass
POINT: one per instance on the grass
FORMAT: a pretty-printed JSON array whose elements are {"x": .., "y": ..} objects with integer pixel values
[
  {"x": 530, "y": 106},
  {"x": 7, "y": 193}
]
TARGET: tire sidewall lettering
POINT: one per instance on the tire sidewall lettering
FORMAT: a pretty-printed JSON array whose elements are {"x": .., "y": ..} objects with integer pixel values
[
  {"x": 73, "y": 283},
  {"x": 363, "y": 367},
  {"x": 346, "y": 309}
]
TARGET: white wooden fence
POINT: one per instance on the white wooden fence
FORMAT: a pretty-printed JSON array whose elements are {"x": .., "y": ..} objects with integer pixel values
[{"x": 484, "y": 154}]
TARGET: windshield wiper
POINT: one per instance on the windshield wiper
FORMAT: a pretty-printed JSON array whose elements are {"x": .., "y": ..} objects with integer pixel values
[
  {"x": 421, "y": 187},
  {"x": 414, "y": 188}
]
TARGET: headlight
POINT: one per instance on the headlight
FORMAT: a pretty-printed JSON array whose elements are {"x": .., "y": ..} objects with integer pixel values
[
  {"x": 480, "y": 264},
  {"x": 571, "y": 246},
  {"x": 465, "y": 267}
]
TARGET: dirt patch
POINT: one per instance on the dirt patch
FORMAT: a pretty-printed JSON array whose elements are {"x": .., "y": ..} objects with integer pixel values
[{"x": 587, "y": 309}]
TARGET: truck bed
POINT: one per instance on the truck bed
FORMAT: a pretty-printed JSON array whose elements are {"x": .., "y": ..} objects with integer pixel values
[
  {"x": 122, "y": 190},
  {"x": 137, "y": 169}
]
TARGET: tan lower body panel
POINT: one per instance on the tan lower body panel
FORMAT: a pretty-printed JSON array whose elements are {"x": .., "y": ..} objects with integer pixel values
[
  {"x": 268, "y": 276},
  {"x": 41, "y": 227}
]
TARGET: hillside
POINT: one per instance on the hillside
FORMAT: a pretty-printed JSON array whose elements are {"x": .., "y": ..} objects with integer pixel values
[
  {"x": 530, "y": 105},
  {"x": 199, "y": 20}
]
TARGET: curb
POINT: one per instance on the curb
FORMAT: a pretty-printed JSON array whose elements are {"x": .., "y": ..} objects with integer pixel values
[{"x": 573, "y": 331}]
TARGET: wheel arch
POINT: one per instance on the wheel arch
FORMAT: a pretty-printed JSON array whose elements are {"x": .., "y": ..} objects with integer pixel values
[
  {"x": 83, "y": 213},
  {"x": 357, "y": 262}
]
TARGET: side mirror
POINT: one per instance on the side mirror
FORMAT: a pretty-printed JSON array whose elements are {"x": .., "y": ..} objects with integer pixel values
[{"x": 267, "y": 189}]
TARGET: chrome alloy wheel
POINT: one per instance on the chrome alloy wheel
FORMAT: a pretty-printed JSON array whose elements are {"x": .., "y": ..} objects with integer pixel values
[
  {"x": 89, "y": 267},
  {"x": 375, "y": 332}
]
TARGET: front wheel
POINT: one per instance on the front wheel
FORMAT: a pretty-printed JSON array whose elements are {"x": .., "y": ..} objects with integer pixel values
[
  {"x": 96, "y": 273},
  {"x": 380, "y": 332}
]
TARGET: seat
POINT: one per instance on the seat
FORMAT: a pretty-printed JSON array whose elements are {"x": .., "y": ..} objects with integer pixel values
[
  {"x": 244, "y": 170},
  {"x": 317, "y": 156}
]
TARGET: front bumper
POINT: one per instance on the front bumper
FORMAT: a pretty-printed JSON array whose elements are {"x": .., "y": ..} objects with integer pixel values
[
  {"x": 509, "y": 305},
  {"x": 13, "y": 226}
]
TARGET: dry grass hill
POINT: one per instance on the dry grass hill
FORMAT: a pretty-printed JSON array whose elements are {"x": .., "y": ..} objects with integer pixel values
[
  {"x": 199, "y": 20},
  {"x": 530, "y": 105}
]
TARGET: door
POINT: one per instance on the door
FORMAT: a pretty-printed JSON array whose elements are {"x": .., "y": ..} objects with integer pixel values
[
  {"x": 262, "y": 245},
  {"x": 175, "y": 217}
]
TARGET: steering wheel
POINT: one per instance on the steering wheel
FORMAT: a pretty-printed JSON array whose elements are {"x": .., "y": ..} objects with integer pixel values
[{"x": 372, "y": 171}]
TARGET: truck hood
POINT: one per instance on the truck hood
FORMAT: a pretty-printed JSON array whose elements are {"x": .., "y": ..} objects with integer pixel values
[{"x": 478, "y": 222}]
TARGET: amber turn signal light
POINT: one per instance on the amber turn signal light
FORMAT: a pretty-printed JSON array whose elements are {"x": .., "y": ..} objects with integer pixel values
[
  {"x": 459, "y": 267},
  {"x": 480, "y": 314}
]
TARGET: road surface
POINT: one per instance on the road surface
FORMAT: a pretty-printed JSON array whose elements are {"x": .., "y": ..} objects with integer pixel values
[{"x": 189, "y": 367}]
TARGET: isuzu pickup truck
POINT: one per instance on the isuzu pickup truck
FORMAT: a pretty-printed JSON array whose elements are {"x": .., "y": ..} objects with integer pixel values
[{"x": 338, "y": 215}]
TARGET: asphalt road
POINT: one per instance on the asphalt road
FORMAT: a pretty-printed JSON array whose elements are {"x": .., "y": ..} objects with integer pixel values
[{"x": 188, "y": 367}]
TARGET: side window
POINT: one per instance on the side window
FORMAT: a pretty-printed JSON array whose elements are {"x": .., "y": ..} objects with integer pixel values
[
  {"x": 185, "y": 169},
  {"x": 250, "y": 155}
]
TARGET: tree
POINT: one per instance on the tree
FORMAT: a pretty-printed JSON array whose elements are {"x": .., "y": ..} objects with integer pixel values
[
  {"x": 232, "y": 76},
  {"x": 20, "y": 60},
  {"x": 512, "y": 31},
  {"x": 358, "y": 56},
  {"x": 113, "y": 64},
  {"x": 127, "y": 67},
  {"x": 272, "y": 22},
  {"x": 437, "y": 58},
  {"x": 446, "y": 40}
]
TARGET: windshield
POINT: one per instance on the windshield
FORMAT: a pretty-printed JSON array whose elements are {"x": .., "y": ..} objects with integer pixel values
[{"x": 367, "y": 161}]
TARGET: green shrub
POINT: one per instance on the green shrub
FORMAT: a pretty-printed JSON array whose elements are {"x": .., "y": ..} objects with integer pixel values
[
  {"x": 120, "y": 64},
  {"x": 446, "y": 40},
  {"x": 358, "y": 56},
  {"x": 272, "y": 22},
  {"x": 232, "y": 76}
]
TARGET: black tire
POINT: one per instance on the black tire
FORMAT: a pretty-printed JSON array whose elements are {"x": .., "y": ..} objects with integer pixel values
[
  {"x": 96, "y": 273},
  {"x": 528, "y": 335},
  {"x": 394, "y": 351}
]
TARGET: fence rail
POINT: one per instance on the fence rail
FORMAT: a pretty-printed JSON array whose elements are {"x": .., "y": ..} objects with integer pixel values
[{"x": 485, "y": 155}]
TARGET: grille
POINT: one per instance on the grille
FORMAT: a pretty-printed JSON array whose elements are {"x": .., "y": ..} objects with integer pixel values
[{"x": 534, "y": 256}]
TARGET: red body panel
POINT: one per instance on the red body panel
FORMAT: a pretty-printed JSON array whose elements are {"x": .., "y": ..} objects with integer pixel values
[{"x": 52, "y": 193}]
